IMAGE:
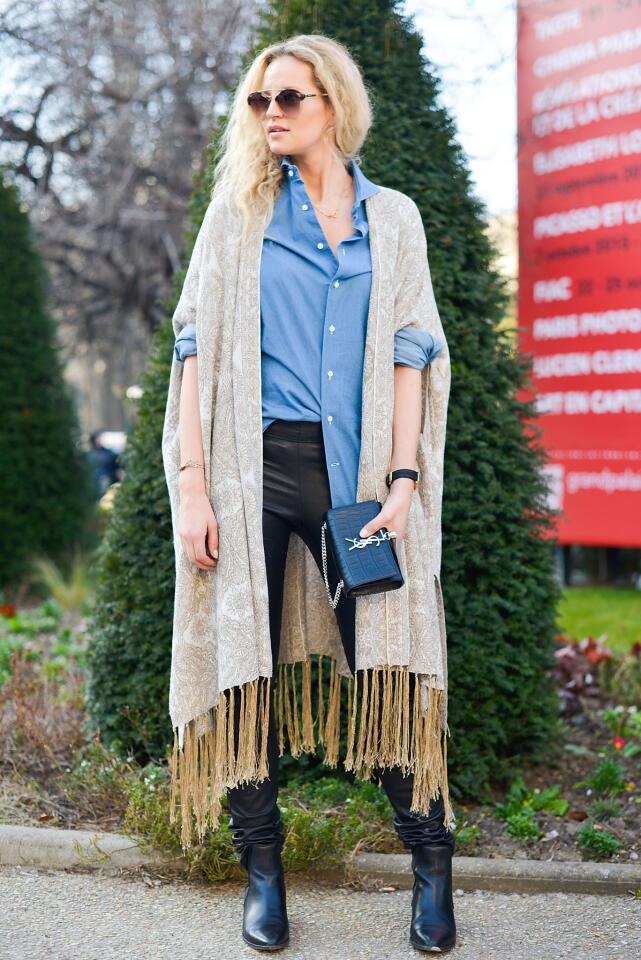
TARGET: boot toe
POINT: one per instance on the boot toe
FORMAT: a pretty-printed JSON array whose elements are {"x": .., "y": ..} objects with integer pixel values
[
  {"x": 433, "y": 940},
  {"x": 267, "y": 936},
  {"x": 266, "y": 933}
]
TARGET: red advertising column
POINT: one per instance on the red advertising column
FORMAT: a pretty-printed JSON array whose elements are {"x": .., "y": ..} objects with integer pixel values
[{"x": 579, "y": 161}]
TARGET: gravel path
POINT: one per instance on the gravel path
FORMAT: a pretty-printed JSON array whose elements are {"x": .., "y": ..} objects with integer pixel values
[{"x": 58, "y": 915}]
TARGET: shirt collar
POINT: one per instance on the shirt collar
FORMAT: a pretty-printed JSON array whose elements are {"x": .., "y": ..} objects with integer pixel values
[{"x": 363, "y": 188}]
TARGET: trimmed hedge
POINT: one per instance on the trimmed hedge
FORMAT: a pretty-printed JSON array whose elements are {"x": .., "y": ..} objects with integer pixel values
[{"x": 47, "y": 490}]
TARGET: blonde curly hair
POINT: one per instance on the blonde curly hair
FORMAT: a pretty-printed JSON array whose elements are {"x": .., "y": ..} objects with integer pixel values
[{"x": 247, "y": 169}]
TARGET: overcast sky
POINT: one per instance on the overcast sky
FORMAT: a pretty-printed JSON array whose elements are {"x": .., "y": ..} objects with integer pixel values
[{"x": 472, "y": 46}]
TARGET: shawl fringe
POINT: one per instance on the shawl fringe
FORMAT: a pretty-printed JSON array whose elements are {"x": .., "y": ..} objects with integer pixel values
[{"x": 204, "y": 764}]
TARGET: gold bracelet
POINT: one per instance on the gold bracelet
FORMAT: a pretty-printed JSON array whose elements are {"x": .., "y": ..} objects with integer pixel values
[{"x": 191, "y": 463}]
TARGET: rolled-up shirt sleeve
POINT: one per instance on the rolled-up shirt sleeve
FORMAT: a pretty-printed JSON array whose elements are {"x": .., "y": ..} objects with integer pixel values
[
  {"x": 415, "y": 348},
  {"x": 185, "y": 345}
]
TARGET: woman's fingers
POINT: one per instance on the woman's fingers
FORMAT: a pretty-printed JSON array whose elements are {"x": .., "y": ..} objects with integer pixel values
[
  {"x": 382, "y": 519},
  {"x": 202, "y": 546},
  {"x": 203, "y": 551},
  {"x": 191, "y": 546},
  {"x": 212, "y": 538},
  {"x": 203, "y": 560},
  {"x": 372, "y": 525}
]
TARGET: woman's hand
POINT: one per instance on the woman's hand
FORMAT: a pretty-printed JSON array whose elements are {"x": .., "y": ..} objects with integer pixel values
[
  {"x": 196, "y": 522},
  {"x": 394, "y": 512}
]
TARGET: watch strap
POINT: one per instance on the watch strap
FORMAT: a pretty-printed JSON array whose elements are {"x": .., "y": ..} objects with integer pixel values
[{"x": 402, "y": 472}]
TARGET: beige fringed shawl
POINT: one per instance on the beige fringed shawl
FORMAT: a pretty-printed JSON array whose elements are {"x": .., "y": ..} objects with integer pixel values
[{"x": 221, "y": 620}]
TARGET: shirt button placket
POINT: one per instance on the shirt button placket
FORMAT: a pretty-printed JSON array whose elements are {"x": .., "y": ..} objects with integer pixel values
[
  {"x": 329, "y": 372},
  {"x": 335, "y": 284}
]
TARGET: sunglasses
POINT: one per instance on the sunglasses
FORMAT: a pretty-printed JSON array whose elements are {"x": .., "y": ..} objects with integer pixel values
[{"x": 288, "y": 100}]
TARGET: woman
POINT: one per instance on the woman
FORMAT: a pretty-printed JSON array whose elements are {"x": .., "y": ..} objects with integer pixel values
[{"x": 302, "y": 327}]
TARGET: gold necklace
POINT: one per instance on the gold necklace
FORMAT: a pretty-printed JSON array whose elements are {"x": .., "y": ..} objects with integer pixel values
[{"x": 335, "y": 213}]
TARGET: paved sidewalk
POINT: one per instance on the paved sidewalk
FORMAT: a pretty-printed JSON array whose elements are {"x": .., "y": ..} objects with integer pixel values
[{"x": 60, "y": 915}]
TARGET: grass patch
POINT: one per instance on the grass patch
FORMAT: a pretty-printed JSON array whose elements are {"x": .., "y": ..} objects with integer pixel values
[{"x": 594, "y": 611}]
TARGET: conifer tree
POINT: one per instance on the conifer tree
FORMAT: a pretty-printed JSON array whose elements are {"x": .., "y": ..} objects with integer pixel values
[
  {"x": 497, "y": 575},
  {"x": 46, "y": 483}
]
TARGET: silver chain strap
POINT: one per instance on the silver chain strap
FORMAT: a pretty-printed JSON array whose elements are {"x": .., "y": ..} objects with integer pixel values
[{"x": 340, "y": 582}]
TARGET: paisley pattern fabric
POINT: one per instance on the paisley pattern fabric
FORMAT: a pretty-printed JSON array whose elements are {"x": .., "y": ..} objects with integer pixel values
[{"x": 221, "y": 622}]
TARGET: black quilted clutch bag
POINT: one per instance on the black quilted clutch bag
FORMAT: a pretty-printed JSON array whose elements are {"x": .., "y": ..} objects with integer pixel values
[{"x": 364, "y": 565}]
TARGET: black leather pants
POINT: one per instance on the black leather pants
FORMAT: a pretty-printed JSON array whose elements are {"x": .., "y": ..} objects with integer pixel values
[{"x": 296, "y": 493}]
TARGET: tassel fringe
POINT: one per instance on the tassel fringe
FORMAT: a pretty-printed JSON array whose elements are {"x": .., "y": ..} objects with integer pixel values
[{"x": 207, "y": 765}]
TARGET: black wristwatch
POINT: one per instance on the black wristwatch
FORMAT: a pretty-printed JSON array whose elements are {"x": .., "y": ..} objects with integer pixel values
[{"x": 414, "y": 475}]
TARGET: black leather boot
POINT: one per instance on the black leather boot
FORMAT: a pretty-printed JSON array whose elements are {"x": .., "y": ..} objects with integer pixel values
[
  {"x": 433, "y": 928},
  {"x": 432, "y": 845},
  {"x": 265, "y": 922},
  {"x": 254, "y": 816},
  {"x": 258, "y": 837}
]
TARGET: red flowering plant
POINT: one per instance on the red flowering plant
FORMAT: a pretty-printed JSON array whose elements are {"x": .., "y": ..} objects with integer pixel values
[
  {"x": 625, "y": 725},
  {"x": 578, "y": 671}
]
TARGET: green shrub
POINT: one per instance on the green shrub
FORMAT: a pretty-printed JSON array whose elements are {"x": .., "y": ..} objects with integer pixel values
[
  {"x": 467, "y": 837},
  {"x": 46, "y": 482},
  {"x": 598, "y": 840},
  {"x": 523, "y": 825},
  {"x": 609, "y": 777},
  {"x": 605, "y": 809},
  {"x": 521, "y": 805}
]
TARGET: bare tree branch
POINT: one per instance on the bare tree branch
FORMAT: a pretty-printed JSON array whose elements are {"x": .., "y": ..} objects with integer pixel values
[{"x": 109, "y": 113}]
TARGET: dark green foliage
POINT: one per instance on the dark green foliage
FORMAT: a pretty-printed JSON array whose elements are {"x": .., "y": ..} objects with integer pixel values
[
  {"x": 521, "y": 805},
  {"x": 597, "y": 840},
  {"x": 46, "y": 483},
  {"x": 500, "y": 594}
]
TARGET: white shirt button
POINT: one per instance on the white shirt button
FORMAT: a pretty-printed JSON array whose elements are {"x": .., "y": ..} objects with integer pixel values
[
  {"x": 330, "y": 418},
  {"x": 335, "y": 463},
  {"x": 331, "y": 328},
  {"x": 305, "y": 206},
  {"x": 291, "y": 173},
  {"x": 337, "y": 283},
  {"x": 330, "y": 374},
  {"x": 320, "y": 245}
]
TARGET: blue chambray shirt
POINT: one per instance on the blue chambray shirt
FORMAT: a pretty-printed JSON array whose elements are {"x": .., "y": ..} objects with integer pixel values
[{"x": 314, "y": 309}]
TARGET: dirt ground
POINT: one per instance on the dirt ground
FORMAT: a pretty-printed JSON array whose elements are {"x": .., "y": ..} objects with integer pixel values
[{"x": 585, "y": 730}]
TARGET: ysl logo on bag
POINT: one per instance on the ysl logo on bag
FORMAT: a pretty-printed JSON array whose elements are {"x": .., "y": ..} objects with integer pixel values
[{"x": 373, "y": 538}]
